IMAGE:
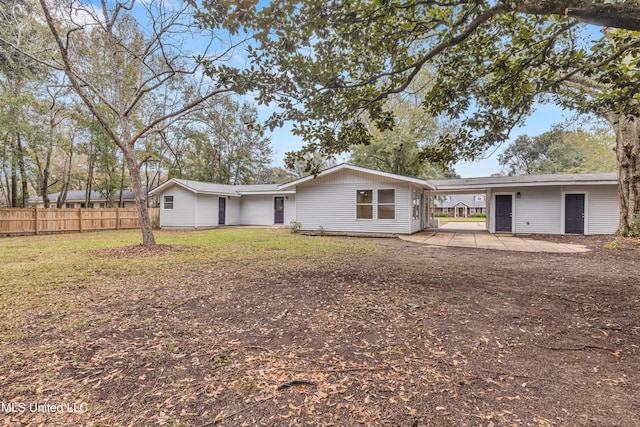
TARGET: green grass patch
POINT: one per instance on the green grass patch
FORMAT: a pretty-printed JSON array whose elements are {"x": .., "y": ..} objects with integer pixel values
[
  {"x": 446, "y": 220},
  {"x": 41, "y": 275}
]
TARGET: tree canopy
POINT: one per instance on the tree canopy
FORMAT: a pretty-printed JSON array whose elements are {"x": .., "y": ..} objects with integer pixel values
[
  {"x": 332, "y": 66},
  {"x": 559, "y": 151}
]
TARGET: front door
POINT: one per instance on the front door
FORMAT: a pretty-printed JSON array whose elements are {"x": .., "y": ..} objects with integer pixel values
[
  {"x": 222, "y": 210},
  {"x": 574, "y": 214},
  {"x": 278, "y": 210},
  {"x": 503, "y": 213}
]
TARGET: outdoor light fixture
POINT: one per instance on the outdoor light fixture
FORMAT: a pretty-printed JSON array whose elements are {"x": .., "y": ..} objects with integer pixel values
[{"x": 518, "y": 195}]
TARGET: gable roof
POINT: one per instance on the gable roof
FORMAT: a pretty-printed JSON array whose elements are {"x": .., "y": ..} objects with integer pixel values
[
  {"x": 347, "y": 166},
  {"x": 199, "y": 187}
]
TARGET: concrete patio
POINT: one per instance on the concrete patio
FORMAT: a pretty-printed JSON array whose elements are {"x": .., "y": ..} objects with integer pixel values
[{"x": 474, "y": 235}]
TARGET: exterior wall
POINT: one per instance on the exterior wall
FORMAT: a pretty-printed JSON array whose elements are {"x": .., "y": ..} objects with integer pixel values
[
  {"x": 206, "y": 211},
  {"x": 540, "y": 210},
  {"x": 184, "y": 211},
  {"x": 234, "y": 205},
  {"x": 258, "y": 209},
  {"x": 602, "y": 210},
  {"x": 330, "y": 202},
  {"x": 290, "y": 211}
]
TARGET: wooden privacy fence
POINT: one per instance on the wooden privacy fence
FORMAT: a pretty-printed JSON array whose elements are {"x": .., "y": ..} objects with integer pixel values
[{"x": 45, "y": 221}]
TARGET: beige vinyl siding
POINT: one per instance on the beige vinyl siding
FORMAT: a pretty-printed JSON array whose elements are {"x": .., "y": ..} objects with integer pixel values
[
  {"x": 602, "y": 207},
  {"x": 182, "y": 214},
  {"x": 330, "y": 203},
  {"x": 206, "y": 210},
  {"x": 233, "y": 211},
  {"x": 538, "y": 210},
  {"x": 290, "y": 213},
  {"x": 258, "y": 209}
]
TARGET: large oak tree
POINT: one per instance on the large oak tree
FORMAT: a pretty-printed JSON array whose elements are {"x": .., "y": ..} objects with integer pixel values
[{"x": 332, "y": 66}]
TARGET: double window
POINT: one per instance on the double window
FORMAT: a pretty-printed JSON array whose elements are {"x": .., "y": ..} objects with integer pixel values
[{"x": 385, "y": 206}]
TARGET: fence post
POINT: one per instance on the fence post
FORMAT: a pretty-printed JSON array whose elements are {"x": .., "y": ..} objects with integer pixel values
[
  {"x": 36, "y": 218},
  {"x": 117, "y": 218},
  {"x": 80, "y": 217}
]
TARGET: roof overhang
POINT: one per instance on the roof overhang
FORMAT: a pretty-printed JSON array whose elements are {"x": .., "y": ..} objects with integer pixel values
[
  {"x": 266, "y": 193},
  {"x": 159, "y": 189},
  {"x": 477, "y": 185},
  {"x": 346, "y": 166}
]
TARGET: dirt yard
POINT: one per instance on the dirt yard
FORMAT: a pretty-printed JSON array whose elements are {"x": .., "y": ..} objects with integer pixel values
[{"x": 390, "y": 334}]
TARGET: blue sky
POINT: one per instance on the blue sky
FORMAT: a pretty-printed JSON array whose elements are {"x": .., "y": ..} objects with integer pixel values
[{"x": 540, "y": 121}]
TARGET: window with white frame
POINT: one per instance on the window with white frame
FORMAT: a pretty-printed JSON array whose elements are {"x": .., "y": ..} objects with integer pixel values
[
  {"x": 168, "y": 202},
  {"x": 364, "y": 204},
  {"x": 387, "y": 204}
]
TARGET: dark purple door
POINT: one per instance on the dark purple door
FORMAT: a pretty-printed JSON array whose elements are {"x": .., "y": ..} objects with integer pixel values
[
  {"x": 222, "y": 210},
  {"x": 278, "y": 210},
  {"x": 574, "y": 214},
  {"x": 503, "y": 213}
]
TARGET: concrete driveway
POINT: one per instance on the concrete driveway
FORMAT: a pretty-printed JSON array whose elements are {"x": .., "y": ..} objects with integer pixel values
[{"x": 470, "y": 237}]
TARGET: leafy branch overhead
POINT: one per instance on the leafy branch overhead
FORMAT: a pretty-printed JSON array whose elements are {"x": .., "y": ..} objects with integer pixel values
[{"x": 330, "y": 66}]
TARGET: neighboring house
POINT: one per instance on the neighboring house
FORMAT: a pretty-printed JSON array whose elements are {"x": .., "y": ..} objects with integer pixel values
[
  {"x": 546, "y": 204},
  {"x": 77, "y": 199},
  {"x": 347, "y": 198},
  {"x": 197, "y": 205},
  {"x": 460, "y": 205}
]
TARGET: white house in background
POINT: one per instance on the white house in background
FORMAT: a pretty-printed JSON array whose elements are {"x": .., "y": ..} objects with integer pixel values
[
  {"x": 197, "y": 205},
  {"x": 347, "y": 198},
  {"x": 545, "y": 204}
]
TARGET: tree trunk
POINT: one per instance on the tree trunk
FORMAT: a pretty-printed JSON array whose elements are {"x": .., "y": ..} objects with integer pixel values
[
  {"x": 121, "y": 198},
  {"x": 14, "y": 187},
  {"x": 628, "y": 156},
  {"x": 23, "y": 173},
  {"x": 87, "y": 194},
  {"x": 136, "y": 185},
  {"x": 66, "y": 177}
]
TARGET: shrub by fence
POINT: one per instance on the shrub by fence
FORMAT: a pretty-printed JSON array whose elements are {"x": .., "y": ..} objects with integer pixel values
[{"x": 46, "y": 221}]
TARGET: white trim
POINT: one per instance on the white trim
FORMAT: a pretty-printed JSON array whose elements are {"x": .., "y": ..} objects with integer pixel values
[
  {"x": 563, "y": 202},
  {"x": 347, "y": 166}
]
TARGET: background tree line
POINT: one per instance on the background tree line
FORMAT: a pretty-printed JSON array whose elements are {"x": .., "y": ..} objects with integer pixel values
[{"x": 50, "y": 141}]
